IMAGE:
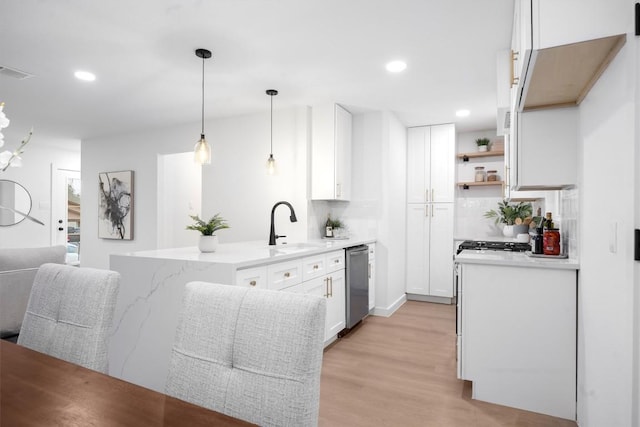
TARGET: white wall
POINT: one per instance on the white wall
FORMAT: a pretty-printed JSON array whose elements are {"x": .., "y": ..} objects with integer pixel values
[
  {"x": 607, "y": 302},
  {"x": 179, "y": 197},
  {"x": 378, "y": 206},
  {"x": 35, "y": 176},
  {"x": 235, "y": 184}
]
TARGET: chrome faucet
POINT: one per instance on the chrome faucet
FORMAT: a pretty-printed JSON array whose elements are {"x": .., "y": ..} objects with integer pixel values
[{"x": 272, "y": 234}]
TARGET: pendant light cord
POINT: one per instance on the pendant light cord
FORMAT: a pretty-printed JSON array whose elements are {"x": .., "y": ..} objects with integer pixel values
[
  {"x": 271, "y": 152},
  {"x": 202, "y": 132}
]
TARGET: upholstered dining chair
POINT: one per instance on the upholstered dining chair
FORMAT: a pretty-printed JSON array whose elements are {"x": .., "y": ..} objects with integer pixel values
[
  {"x": 250, "y": 353},
  {"x": 69, "y": 314},
  {"x": 18, "y": 268}
]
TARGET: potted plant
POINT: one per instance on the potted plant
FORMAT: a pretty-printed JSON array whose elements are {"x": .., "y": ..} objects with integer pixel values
[
  {"x": 515, "y": 217},
  {"x": 334, "y": 227},
  {"x": 483, "y": 144},
  {"x": 208, "y": 240}
]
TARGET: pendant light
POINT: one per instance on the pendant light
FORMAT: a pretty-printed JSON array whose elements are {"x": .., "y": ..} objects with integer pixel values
[
  {"x": 271, "y": 162},
  {"x": 202, "y": 150}
]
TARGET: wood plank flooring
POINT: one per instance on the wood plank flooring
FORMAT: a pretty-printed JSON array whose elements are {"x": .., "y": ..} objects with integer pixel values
[{"x": 401, "y": 371}]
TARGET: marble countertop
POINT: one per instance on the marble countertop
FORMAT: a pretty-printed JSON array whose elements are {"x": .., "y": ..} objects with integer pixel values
[
  {"x": 518, "y": 259},
  {"x": 252, "y": 253}
]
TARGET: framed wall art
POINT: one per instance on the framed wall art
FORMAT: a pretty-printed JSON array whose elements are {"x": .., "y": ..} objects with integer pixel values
[{"x": 115, "y": 209}]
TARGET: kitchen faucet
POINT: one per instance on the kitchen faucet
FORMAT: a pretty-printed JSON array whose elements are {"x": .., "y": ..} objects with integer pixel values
[{"x": 272, "y": 235}]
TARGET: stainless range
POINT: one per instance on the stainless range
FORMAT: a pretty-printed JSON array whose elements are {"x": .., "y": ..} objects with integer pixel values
[{"x": 483, "y": 245}]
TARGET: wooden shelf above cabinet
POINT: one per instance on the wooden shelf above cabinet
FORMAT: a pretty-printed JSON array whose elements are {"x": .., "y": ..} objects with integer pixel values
[
  {"x": 466, "y": 156},
  {"x": 466, "y": 185}
]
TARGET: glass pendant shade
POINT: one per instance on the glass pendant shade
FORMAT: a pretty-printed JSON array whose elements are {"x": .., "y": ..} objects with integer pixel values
[
  {"x": 271, "y": 165},
  {"x": 202, "y": 151}
]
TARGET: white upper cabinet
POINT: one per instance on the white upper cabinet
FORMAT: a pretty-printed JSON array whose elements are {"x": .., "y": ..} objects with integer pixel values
[
  {"x": 544, "y": 149},
  {"x": 560, "y": 48},
  {"x": 431, "y": 164},
  {"x": 331, "y": 153}
]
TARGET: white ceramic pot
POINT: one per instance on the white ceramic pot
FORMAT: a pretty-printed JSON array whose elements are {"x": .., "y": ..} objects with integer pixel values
[
  {"x": 507, "y": 231},
  {"x": 482, "y": 148},
  {"x": 208, "y": 243}
]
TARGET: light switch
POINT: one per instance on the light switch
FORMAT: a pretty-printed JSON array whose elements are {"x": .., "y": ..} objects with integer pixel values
[{"x": 613, "y": 237}]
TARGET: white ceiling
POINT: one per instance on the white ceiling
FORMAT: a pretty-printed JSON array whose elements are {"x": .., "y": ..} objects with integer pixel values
[{"x": 311, "y": 51}]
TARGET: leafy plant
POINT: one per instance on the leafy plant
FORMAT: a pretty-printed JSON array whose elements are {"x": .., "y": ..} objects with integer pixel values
[
  {"x": 335, "y": 223},
  {"x": 507, "y": 213},
  {"x": 482, "y": 141},
  {"x": 208, "y": 228}
]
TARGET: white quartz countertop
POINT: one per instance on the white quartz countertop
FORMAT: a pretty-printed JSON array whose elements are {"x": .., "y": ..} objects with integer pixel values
[
  {"x": 518, "y": 259},
  {"x": 252, "y": 253}
]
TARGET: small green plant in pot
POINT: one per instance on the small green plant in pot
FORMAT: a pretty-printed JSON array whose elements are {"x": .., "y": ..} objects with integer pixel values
[
  {"x": 512, "y": 215},
  {"x": 483, "y": 144},
  {"x": 208, "y": 239}
]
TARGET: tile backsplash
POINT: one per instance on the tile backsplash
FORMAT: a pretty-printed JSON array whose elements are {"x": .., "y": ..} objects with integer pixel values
[{"x": 567, "y": 221}]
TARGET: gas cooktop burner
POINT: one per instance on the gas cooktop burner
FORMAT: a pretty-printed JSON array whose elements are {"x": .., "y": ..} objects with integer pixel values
[{"x": 493, "y": 246}]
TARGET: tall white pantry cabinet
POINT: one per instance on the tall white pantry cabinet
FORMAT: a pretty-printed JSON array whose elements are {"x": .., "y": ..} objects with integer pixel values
[{"x": 430, "y": 216}]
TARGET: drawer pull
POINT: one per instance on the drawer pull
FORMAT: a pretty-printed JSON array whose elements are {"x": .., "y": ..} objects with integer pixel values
[
  {"x": 337, "y": 261},
  {"x": 287, "y": 274},
  {"x": 252, "y": 283},
  {"x": 315, "y": 267}
]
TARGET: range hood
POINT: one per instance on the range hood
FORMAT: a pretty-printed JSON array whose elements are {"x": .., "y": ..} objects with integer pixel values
[{"x": 561, "y": 76}]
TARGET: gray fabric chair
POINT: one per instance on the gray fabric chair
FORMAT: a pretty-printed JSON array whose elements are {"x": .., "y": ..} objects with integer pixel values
[
  {"x": 18, "y": 268},
  {"x": 69, "y": 314},
  {"x": 250, "y": 353}
]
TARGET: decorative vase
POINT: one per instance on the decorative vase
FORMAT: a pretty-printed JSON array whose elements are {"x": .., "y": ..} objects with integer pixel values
[
  {"x": 208, "y": 243},
  {"x": 507, "y": 231},
  {"x": 482, "y": 148}
]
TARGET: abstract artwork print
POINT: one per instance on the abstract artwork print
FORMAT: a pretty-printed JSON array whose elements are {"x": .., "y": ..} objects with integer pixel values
[{"x": 115, "y": 210}]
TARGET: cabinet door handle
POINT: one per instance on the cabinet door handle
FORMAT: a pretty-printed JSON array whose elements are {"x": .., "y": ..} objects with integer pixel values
[
  {"x": 252, "y": 283},
  {"x": 514, "y": 79},
  {"x": 426, "y": 194},
  {"x": 326, "y": 287},
  {"x": 431, "y": 211},
  {"x": 338, "y": 192},
  {"x": 369, "y": 271},
  {"x": 330, "y": 279},
  {"x": 433, "y": 195},
  {"x": 426, "y": 211},
  {"x": 287, "y": 274}
]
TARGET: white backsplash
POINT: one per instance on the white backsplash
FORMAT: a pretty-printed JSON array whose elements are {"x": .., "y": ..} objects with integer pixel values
[
  {"x": 568, "y": 221},
  {"x": 360, "y": 218}
]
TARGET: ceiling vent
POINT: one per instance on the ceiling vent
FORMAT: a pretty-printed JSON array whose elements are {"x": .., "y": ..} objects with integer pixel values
[{"x": 13, "y": 73}]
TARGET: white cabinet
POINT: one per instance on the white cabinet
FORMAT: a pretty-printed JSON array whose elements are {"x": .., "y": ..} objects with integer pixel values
[
  {"x": 430, "y": 249},
  {"x": 543, "y": 149},
  {"x": 284, "y": 274},
  {"x": 331, "y": 286},
  {"x": 557, "y": 63},
  {"x": 331, "y": 153},
  {"x": 372, "y": 276},
  {"x": 431, "y": 164},
  {"x": 517, "y": 336},
  {"x": 255, "y": 277},
  {"x": 430, "y": 194}
]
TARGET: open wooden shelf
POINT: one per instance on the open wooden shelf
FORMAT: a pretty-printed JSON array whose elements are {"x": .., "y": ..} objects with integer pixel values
[
  {"x": 466, "y": 185},
  {"x": 466, "y": 156}
]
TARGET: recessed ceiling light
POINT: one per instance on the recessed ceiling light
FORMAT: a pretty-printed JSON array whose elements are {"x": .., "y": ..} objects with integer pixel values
[
  {"x": 463, "y": 113},
  {"x": 396, "y": 66},
  {"x": 85, "y": 76}
]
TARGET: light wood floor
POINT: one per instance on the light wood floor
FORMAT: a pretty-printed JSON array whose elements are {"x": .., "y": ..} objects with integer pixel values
[{"x": 401, "y": 371}]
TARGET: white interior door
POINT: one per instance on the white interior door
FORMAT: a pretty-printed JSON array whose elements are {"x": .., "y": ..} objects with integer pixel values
[{"x": 65, "y": 212}]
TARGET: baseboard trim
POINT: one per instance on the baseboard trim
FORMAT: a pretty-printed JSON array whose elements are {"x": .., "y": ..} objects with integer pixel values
[
  {"x": 387, "y": 312},
  {"x": 429, "y": 298}
]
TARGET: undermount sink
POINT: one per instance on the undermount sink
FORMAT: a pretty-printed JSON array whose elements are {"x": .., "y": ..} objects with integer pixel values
[{"x": 292, "y": 248}]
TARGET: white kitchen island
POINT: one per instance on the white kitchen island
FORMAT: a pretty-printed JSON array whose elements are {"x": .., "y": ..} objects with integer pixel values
[
  {"x": 517, "y": 321},
  {"x": 152, "y": 285}
]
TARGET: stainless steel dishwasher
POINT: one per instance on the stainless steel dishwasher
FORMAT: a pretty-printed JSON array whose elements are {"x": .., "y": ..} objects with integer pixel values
[{"x": 357, "y": 284}]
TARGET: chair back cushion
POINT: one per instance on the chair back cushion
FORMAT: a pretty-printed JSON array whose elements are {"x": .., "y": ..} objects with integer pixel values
[
  {"x": 18, "y": 268},
  {"x": 250, "y": 353},
  {"x": 69, "y": 314}
]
